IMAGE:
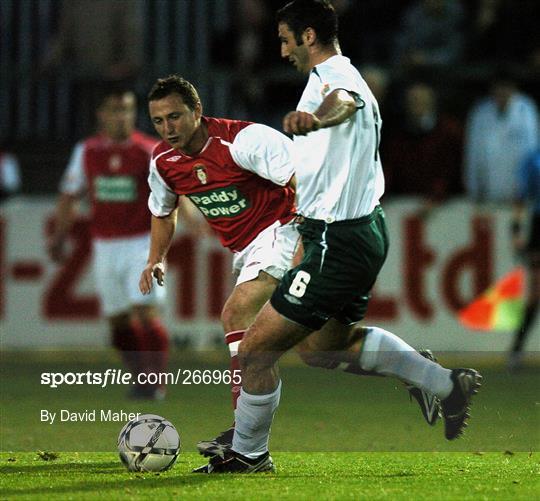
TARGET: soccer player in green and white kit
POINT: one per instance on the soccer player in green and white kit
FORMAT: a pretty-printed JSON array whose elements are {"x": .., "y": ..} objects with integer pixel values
[{"x": 321, "y": 301}]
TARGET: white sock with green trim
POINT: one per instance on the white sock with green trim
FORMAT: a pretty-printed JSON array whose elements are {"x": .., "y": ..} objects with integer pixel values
[
  {"x": 253, "y": 417},
  {"x": 387, "y": 354}
]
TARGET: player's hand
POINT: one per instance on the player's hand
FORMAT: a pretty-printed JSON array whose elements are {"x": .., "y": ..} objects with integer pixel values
[
  {"x": 157, "y": 271},
  {"x": 300, "y": 123}
]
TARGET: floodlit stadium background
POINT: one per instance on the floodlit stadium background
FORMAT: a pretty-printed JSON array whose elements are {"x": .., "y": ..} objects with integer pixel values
[{"x": 231, "y": 52}]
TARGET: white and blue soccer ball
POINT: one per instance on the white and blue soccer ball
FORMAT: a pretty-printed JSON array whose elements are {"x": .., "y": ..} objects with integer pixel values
[{"x": 148, "y": 443}]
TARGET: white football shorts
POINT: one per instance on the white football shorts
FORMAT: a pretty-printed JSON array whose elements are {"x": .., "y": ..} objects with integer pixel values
[
  {"x": 271, "y": 251},
  {"x": 118, "y": 264}
]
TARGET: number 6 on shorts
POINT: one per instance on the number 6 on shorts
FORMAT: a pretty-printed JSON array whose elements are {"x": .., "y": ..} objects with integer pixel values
[{"x": 299, "y": 284}]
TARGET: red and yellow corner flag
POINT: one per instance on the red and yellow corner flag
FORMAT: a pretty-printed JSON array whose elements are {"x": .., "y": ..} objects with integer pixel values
[{"x": 500, "y": 308}]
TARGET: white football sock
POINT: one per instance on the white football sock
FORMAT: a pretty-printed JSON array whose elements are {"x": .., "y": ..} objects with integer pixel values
[
  {"x": 253, "y": 418},
  {"x": 387, "y": 354}
]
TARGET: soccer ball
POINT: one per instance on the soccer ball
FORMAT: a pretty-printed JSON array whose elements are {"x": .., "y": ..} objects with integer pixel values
[{"x": 148, "y": 443}]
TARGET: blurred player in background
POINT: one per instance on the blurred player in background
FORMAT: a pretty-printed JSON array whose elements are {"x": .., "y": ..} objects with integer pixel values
[
  {"x": 528, "y": 195},
  {"x": 111, "y": 168},
  {"x": 424, "y": 138},
  {"x": 320, "y": 302}
]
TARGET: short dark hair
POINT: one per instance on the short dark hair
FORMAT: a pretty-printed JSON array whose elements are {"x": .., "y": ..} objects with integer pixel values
[
  {"x": 102, "y": 94},
  {"x": 175, "y": 84},
  {"x": 320, "y": 15}
]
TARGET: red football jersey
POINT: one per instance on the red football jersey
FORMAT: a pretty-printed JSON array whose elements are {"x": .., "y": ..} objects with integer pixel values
[
  {"x": 238, "y": 203},
  {"x": 115, "y": 176}
]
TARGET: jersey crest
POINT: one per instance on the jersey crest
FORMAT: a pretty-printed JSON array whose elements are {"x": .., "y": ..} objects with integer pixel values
[
  {"x": 115, "y": 162},
  {"x": 200, "y": 173}
]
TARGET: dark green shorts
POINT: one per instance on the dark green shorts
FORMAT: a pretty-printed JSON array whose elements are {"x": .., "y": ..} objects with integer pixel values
[{"x": 340, "y": 265}]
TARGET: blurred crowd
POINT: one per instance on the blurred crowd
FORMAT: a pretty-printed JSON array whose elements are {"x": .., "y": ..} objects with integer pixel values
[{"x": 443, "y": 71}]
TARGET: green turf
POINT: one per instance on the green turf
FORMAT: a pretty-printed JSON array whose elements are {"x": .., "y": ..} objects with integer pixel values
[
  {"x": 370, "y": 476},
  {"x": 335, "y": 436},
  {"x": 320, "y": 410}
]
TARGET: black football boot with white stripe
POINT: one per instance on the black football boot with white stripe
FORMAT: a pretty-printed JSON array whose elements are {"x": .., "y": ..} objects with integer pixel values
[
  {"x": 429, "y": 403},
  {"x": 232, "y": 462}
]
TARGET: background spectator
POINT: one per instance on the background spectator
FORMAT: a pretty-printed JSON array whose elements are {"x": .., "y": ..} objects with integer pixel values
[
  {"x": 251, "y": 44},
  {"x": 431, "y": 34},
  {"x": 377, "y": 79},
  {"x": 503, "y": 30},
  {"x": 423, "y": 155},
  {"x": 501, "y": 129},
  {"x": 368, "y": 29},
  {"x": 98, "y": 42},
  {"x": 10, "y": 175}
]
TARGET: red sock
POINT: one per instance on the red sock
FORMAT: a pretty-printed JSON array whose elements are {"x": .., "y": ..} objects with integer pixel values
[
  {"x": 156, "y": 344},
  {"x": 233, "y": 340},
  {"x": 126, "y": 340}
]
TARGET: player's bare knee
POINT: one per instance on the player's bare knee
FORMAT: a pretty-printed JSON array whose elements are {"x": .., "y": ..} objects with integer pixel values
[
  {"x": 253, "y": 358},
  {"x": 235, "y": 316},
  {"x": 229, "y": 318},
  {"x": 245, "y": 355}
]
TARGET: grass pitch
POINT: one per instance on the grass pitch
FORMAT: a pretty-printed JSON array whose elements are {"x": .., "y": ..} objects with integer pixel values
[
  {"x": 335, "y": 436},
  {"x": 314, "y": 475}
]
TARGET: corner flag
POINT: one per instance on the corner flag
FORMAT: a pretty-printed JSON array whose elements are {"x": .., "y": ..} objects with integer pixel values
[{"x": 500, "y": 308}]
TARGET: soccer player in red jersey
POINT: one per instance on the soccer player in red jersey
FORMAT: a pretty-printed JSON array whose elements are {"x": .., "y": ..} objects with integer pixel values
[
  {"x": 111, "y": 168},
  {"x": 238, "y": 174}
]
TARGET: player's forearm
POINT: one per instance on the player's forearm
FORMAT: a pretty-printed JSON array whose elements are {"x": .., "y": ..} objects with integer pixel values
[
  {"x": 162, "y": 233},
  {"x": 66, "y": 212},
  {"x": 337, "y": 107}
]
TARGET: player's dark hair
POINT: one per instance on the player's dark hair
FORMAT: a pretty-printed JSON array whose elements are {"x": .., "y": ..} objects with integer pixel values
[
  {"x": 175, "y": 84},
  {"x": 317, "y": 14},
  {"x": 101, "y": 94}
]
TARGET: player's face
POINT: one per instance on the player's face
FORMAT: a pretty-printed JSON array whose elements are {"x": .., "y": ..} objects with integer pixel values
[
  {"x": 176, "y": 123},
  {"x": 117, "y": 115},
  {"x": 296, "y": 54}
]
